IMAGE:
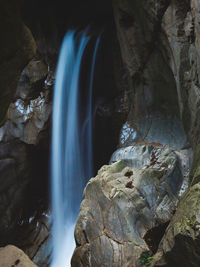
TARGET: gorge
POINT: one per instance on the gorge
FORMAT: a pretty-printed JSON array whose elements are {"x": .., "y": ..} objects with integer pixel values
[{"x": 122, "y": 111}]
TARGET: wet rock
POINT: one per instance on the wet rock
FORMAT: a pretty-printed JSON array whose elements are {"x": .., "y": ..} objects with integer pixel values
[
  {"x": 119, "y": 209},
  {"x": 11, "y": 256}
]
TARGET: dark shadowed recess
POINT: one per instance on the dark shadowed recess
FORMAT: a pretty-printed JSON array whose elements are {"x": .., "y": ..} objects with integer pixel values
[
  {"x": 154, "y": 236},
  {"x": 105, "y": 92},
  {"x": 50, "y": 19}
]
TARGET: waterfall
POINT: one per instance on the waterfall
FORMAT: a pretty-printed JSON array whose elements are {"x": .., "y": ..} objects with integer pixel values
[{"x": 71, "y": 158}]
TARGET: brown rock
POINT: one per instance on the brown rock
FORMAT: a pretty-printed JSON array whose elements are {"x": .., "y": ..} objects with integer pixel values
[{"x": 11, "y": 256}]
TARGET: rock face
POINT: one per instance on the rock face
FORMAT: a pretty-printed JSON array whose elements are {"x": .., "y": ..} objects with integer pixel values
[
  {"x": 12, "y": 256},
  {"x": 13, "y": 183},
  {"x": 30, "y": 112},
  {"x": 17, "y": 48},
  {"x": 154, "y": 114},
  {"x": 122, "y": 204},
  {"x": 121, "y": 214},
  {"x": 35, "y": 239},
  {"x": 181, "y": 26},
  {"x": 24, "y": 150},
  {"x": 182, "y": 235}
]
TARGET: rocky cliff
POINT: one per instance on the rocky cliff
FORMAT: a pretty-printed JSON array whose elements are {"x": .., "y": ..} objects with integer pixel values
[
  {"x": 120, "y": 225},
  {"x": 143, "y": 208}
]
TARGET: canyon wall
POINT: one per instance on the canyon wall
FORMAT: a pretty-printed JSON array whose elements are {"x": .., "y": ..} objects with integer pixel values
[{"x": 145, "y": 209}]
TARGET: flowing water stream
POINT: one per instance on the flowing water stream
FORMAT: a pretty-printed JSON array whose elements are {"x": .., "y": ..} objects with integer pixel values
[{"x": 71, "y": 159}]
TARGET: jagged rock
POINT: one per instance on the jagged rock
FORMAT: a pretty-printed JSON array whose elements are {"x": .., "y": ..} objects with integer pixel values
[
  {"x": 29, "y": 114},
  {"x": 181, "y": 244},
  {"x": 181, "y": 25},
  {"x": 17, "y": 47},
  {"x": 31, "y": 81},
  {"x": 121, "y": 204},
  {"x": 33, "y": 236},
  {"x": 140, "y": 156},
  {"x": 27, "y": 120},
  {"x": 23, "y": 177},
  {"x": 154, "y": 114},
  {"x": 11, "y": 256}
]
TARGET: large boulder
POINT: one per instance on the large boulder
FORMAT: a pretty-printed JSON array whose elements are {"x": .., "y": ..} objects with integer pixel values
[{"x": 123, "y": 205}]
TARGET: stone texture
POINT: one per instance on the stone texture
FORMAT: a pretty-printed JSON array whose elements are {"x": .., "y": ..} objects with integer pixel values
[
  {"x": 33, "y": 236},
  {"x": 29, "y": 113},
  {"x": 121, "y": 204},
  {"x": 31, "y": 80},
  {"x": 11, "y": 256},
  {"x": 24, "y": 193},
  {"x": 24, "y": 167},
  {"x": 26, "y": 82},
  {"x": 155, "y": 128},
  {"x": 182, "y": 236},
  {"x": 181, "y": 26},
  {"x": 152, "y": 93},
  {"x": 17, "y": 48},
  {"x": 15, "y": 176}
]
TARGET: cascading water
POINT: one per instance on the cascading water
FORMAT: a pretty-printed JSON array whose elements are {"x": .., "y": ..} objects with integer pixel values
[{"x": 71, "y": 144}]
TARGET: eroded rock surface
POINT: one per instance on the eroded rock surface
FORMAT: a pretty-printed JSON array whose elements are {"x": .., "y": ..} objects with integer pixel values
[
  {"x": 181, "y": 244},
  {"x": 35, "y": 239},
  {"x": 13, "y": 256},
  {"x": 181, "y": 26},
  {"x": 121, "y": 204},
  {"x": 24, "y": 150},
  {"x": 29, "y": 113},
  {"x": 17, "y": 49}
]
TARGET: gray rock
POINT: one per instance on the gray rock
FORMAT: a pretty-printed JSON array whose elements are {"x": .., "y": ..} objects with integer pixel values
[
  {"x": 35, "y": 238},
  {"x": 121, "y": 204},
  {"x": 26, "y": 121},
  {"x": 181, "y": 25},
  {"x": 181, "y": 242},
  {"x": 31, "y": 80}
]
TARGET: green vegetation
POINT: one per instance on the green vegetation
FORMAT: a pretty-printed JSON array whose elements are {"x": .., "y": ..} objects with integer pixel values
[{"x": 146, "y": 259}]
